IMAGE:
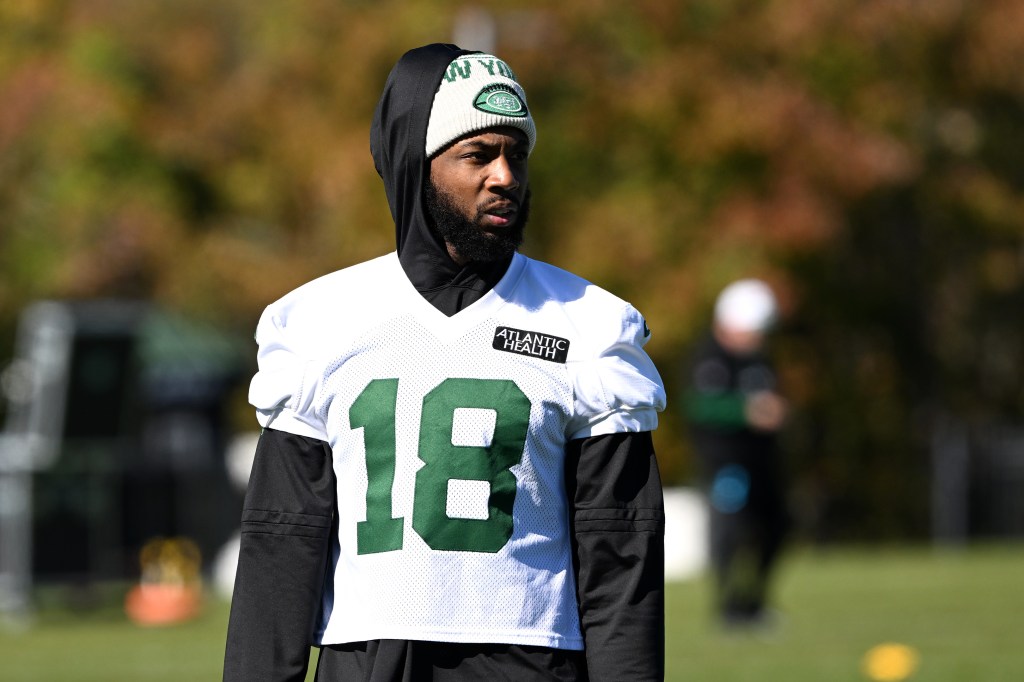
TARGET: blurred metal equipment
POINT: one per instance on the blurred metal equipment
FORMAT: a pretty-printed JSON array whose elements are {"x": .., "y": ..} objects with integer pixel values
[
  {"x": 977, "y": 481},
  {"x": 34, "y": 387},
  {"x": 114, "y": 434},
  {"x": 950, "y": 484}
]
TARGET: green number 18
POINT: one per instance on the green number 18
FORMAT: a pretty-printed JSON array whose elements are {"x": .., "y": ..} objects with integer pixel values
[{"x": 374, "y": 411}]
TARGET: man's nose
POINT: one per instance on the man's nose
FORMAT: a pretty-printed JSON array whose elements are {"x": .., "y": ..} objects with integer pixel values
[{"x": 502, "y": 174}]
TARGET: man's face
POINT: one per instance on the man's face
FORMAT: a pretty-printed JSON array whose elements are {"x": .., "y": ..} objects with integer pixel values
[
  {"x": 739, "y": 341},
  {"x": 478, "y": 196}
]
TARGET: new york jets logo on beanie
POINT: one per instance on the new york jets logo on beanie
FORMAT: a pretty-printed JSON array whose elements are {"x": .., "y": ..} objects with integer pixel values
[{"x": 477, "y": 91}]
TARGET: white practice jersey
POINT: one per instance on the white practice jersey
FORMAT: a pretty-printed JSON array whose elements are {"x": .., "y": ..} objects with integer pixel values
[{"x": 448, "y": 436}]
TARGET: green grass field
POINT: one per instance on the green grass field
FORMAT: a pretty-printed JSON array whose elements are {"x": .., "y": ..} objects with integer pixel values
[{"x": 961, "y": 611}]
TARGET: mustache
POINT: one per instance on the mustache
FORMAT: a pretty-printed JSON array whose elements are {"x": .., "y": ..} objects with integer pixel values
[{"x": 499, "y": 202}]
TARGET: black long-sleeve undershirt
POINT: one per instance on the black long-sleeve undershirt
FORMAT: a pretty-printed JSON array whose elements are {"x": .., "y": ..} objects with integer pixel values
[
  {"x": 286, "y": 524},
  {"x": 618, "y": 527}
]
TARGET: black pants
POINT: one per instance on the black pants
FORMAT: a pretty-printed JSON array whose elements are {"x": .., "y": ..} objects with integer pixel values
[
  {"x": 744, "y": 549},
  {"x": 414, "y": 661},
  {"x": 749, "y": 524}
]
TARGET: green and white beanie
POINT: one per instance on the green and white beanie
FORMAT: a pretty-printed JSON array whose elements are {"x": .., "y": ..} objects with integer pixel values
[{"x": 477, "y": 91}]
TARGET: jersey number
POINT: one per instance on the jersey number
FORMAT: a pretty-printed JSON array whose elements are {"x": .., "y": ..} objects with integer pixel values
[{"x": 374, "y": 411}]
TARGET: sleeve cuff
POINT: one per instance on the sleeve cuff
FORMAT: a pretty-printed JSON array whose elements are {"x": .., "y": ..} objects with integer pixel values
[
  {"x": 632, "y": 421},
  {"x": 283, "y": 419}
]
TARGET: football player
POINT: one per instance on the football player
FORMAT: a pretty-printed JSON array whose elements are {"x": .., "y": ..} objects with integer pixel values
[{"x": 456, "y": 478}]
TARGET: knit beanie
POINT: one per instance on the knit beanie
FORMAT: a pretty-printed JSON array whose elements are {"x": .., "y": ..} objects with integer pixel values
[
  {"x": 477, "y": 91},
  {"x": 747, "y": 305}
]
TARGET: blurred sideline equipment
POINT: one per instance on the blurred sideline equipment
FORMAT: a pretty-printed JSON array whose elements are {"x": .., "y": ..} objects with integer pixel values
[
  {"x": 890, "y": 662},
  {"x": 114, "y": 435},
  {"x": 170, "y": 590},
  {"x": 35, "y": 385}
]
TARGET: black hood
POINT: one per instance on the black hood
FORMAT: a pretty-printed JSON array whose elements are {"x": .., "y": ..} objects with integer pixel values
[{"x": 398, "y": 145}]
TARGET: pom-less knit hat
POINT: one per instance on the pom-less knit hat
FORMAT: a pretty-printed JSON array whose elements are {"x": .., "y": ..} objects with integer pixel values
[
  {"x": 747, "y": 305},
  {"x": 477, "y": 91}
]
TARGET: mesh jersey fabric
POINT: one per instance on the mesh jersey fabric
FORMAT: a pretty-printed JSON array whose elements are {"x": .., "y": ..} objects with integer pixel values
[{"x": 449, "y": 454}]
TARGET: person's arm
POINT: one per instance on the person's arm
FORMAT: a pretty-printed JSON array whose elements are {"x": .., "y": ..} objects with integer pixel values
[
  {"x": 617, "y": 517},
  {"x": 726, "y": 409},
  {"x": 286, "y": 523}
]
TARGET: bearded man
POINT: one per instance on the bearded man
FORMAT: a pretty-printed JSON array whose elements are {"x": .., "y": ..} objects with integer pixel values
[{"x": 456, "y": 478}]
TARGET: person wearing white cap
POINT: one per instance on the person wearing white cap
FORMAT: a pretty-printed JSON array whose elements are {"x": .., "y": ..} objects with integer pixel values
[
  {"x": 735, "y": 411},
  {"x": 456, "y": 477}
]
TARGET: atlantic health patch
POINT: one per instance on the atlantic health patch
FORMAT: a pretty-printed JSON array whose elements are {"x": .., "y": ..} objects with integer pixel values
[{"x": 533, "y": 344}]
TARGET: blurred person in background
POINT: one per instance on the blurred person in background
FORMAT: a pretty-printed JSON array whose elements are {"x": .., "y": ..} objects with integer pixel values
[
  {"x": 735, "y": 411},
  {"x": 456, "y": 478}
]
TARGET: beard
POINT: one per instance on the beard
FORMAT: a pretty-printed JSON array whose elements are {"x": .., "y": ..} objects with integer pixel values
[{"x": 464, "y": 234}]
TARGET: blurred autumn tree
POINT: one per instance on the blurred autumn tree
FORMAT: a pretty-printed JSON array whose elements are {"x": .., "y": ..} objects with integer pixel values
[{"x": 863, "y": 156}]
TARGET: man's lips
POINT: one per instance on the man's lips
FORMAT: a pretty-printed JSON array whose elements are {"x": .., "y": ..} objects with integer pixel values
[{"x": 500, "y": 215}]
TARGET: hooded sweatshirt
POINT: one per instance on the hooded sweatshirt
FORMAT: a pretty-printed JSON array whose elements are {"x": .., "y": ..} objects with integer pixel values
[{"x": 397, "y": 144}]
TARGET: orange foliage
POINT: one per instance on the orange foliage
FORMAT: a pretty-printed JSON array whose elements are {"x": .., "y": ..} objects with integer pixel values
[{"x": 213, "y": 155}]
